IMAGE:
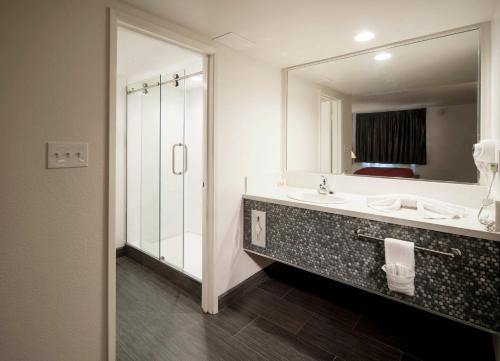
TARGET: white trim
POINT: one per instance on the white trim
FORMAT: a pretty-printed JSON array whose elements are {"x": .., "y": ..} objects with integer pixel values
[
  {"x": 111, "y": 267},
  {"x": 284, "y": 111},
  {"x": 209, "y": 302},
  {"x": 146, "y": 27},
  {"x": 392, "y": 45},
  {"x": 138, "y": 23}
]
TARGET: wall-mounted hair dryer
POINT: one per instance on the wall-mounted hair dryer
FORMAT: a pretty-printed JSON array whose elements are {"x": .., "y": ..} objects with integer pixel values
[{"x": 485, "y": 155}]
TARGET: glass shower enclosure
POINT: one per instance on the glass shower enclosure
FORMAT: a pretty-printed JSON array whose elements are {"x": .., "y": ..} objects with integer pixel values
[{"x": 164, "y": 169}]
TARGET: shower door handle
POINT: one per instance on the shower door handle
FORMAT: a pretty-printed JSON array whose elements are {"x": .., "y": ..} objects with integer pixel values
[
  {"x": 173, "y": 159},
  {"x": 184, "y": 158}
]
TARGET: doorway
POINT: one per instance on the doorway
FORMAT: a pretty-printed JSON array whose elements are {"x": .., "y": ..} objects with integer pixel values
[
  {"x": 146, "y": 63},
  {"x": 330, "y": 135},
  {"x": 164, "y": 177}
]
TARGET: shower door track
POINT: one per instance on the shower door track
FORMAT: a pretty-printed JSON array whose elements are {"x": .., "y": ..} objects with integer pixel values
[{"x": 132, "y": 90}]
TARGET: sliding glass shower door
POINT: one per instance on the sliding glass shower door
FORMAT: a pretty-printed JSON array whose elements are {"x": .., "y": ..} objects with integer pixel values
[
  {"x": 164, "y": 169},
  {"x": 143, "y": 166},
  {"x": 175, "y": 156}
]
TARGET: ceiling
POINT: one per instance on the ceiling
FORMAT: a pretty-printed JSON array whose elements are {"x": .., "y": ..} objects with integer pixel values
[
  {"x": 291, "y": 32},
  {"x": 440, "y": 71},
  {"x": 141, "y": 57}
]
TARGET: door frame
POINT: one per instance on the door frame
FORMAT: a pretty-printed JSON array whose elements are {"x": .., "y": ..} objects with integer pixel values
[
  {"x": 336, "y": 153},
  {"x": 147, "y": 24}
]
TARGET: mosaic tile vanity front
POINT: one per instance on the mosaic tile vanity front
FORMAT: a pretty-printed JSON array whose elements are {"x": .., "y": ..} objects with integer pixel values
[{"x": 466, "y": 288}]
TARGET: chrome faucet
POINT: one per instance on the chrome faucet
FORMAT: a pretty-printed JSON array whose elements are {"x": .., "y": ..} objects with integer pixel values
[{"x": 324, "y": 187}]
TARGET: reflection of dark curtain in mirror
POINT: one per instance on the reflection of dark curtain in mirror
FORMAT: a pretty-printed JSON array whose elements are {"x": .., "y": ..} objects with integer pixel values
[{"x": 391, "y": 137}]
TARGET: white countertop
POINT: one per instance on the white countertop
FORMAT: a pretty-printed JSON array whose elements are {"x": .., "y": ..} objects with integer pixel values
[{"x": 356, "y": 207}]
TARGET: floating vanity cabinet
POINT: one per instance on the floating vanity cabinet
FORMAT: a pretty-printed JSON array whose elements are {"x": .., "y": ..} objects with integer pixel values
[{"x": 465, "y": 288}]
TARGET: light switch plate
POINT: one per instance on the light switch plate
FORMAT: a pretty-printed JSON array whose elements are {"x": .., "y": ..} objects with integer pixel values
[
  {"x": 259, "y": 228},
  {"x": 67, "y": 155}
]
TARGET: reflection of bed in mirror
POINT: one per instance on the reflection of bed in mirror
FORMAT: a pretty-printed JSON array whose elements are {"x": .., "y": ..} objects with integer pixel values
[{"x": 399, "y": 172}]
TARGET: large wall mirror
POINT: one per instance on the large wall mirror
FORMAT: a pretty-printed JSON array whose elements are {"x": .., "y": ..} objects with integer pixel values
[{"x": 408, "y": 110}]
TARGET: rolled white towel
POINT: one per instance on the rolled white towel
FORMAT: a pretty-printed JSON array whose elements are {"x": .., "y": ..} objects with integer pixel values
[
  {"x": 432, "y": 209},
  {"x": 391, "y": 202},
  {"x": 400, "y": 265},
  {"x": 428, "y": 208}
]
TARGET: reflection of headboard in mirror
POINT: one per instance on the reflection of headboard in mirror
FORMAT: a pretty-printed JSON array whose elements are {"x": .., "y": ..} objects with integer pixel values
[{"x": 404, "y": 110}]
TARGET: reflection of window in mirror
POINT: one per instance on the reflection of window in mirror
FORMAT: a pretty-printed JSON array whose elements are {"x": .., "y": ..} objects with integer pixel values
[
  {"x": 431, "y": 143},
  {"x": 405, "y": 114}
]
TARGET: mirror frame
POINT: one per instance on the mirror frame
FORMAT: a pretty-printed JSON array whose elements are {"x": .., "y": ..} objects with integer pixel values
[{"x": 482, "y": 103}]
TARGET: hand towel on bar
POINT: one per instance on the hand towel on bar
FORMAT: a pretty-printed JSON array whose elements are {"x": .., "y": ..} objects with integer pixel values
[
  {"x": 426, "y": 207},
  {"x": 400, "y": 266}
]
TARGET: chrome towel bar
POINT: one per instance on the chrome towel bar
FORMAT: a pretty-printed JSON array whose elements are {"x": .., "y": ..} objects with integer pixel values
[{"x": 455, "y": 252}]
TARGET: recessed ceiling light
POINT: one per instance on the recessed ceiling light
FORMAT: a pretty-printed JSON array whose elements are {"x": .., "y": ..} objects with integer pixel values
[
  {"x": 383, "y": 56},
  {"x": 364, "y": 36}
]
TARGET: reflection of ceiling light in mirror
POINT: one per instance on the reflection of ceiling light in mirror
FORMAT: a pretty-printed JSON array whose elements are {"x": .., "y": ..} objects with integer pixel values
[
  {"x": 197, "y": 78},
  {"x": 383, "y": 56},
  {"x": 364, "y": 36}
]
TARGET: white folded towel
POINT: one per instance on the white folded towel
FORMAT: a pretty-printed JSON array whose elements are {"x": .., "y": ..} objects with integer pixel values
[
  {"x": 427, "y": 208},
  {"x": 400, "y": 266},
  {"x": 391, "y": 202},
  {"x": 431, "y": 208}
]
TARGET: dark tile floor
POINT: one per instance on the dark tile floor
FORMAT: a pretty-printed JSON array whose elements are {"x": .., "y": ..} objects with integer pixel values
[{"x": 291, "y": 315}]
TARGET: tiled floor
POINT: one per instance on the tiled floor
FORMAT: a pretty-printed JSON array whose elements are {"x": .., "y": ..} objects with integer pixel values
[
  {"x": 292, "y": 315},
  {"x": 181, "y": 253}
]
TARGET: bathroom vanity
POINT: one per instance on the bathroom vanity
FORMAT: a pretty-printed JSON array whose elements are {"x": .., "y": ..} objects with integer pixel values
[
  {"x": 457, "y": 264},
  {"x": 386, "y": 112}
]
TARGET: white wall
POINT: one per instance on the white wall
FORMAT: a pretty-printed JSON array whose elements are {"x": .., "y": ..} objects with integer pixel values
[
  {"x": 303, "y": 122},
  {"x": 247, "y": 141},
  {"x": 451, "y": 132},
  {"x": 53, "y": 222}
]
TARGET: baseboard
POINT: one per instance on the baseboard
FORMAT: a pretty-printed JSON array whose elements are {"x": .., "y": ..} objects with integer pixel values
[
  {"x": 178, "y": 278},
  {"x": 120, "y": 252},
  {"x": 241, "y": 288}
]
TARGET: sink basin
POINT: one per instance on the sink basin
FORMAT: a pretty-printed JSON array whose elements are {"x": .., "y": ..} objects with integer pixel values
[{"x": 315, "y": 197}]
